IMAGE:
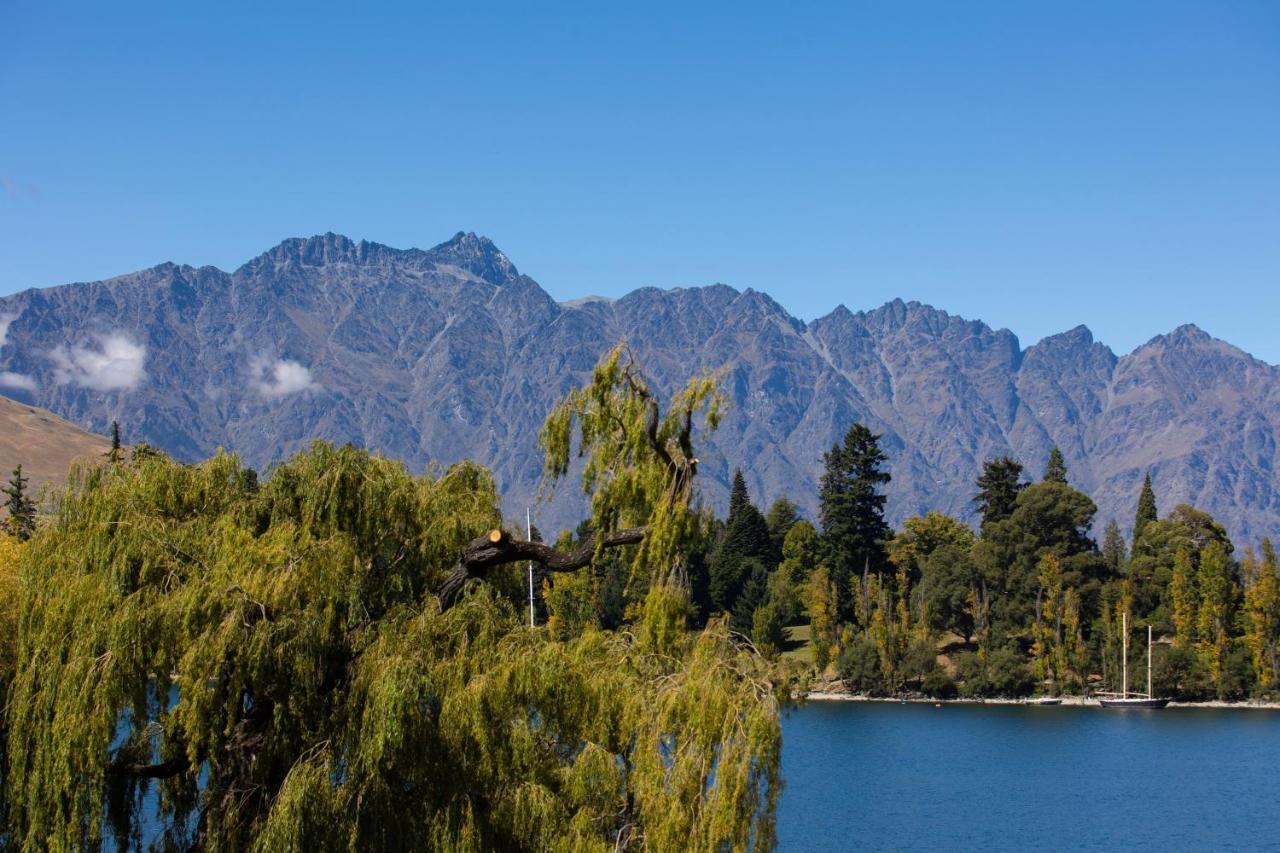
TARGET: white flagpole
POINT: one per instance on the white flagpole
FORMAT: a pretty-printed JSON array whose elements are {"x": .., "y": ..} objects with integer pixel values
[{"x": 528, "y": 524}]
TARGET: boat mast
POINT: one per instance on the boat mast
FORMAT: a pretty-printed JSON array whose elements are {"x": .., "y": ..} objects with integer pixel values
[
  {"x": 1149, "y": 693},
  {"x": 528, "y": 527},
  {"x": 1124, "y": 661}
]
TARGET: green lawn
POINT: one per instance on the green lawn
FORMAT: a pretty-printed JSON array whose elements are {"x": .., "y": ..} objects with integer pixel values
[{"x": 797, "y": 645}]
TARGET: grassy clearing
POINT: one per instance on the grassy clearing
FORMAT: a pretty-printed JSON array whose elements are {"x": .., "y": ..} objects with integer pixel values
[{"x": 797, "y": 646}]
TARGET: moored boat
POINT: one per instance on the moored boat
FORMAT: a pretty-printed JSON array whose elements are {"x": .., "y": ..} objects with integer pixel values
[
  {"x": 1127, "y": 699},
  {"x": 1138, "y": 702}
]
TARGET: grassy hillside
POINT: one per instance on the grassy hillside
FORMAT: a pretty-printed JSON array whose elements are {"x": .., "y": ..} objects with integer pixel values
[{"x": 43, "y": 443}]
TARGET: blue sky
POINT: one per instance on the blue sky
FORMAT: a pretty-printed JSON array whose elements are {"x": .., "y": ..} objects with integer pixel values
[{"x": 1033, "y": 165}]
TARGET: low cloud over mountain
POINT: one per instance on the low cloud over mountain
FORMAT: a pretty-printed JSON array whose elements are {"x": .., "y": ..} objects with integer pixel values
[
  {"x": 108, "y": 362},
  {"x": 273, "y": 378}
]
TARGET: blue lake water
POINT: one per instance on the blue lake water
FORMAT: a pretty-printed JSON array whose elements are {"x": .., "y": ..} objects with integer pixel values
[{"x": 883, "y": 776}]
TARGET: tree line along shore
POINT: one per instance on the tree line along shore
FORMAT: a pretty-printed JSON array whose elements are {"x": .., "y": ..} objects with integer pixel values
[{"x": 1027, "y": 604}]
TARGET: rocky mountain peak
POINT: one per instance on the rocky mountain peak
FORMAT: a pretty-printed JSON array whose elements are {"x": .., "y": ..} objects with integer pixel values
[
  {"x": 476, "y": 255},
  {"x": 1186, "y": 336},
  {"x": 1079, "y": 336},
  {"x": 316, "y": 251},
  {"x": 1071, "y": 345}
]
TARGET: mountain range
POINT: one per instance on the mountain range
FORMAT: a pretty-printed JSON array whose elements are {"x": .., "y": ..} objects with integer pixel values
[{"x": 431, "y": 356}]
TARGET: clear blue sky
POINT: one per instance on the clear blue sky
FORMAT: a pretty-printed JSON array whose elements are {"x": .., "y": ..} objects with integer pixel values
[{"x": 1035, "y": 165}]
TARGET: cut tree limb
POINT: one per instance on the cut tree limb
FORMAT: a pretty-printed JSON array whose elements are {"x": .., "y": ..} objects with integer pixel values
[
  {"x": 498, "y": 548},
  {"x": 122, "y": 766}
]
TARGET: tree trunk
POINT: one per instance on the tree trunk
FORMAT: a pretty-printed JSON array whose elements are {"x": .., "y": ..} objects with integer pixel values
[{"x": 498, "y": 548}]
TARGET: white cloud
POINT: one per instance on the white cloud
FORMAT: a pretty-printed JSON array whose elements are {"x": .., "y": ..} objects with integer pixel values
[
  {"x": 17, "y": 380},
  {"x": 112, "y": 363},
  {"x": 9, "y": 379},
  {"x": 275, "y": 378}
]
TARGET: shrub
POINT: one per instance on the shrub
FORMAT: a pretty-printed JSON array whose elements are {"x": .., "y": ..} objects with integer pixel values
[
  {"x": 767, "y": 629},
  {"x": 1238, "y": 677},
  {"x": 1178, "y": 673},
  {"x": 859, "y": 666},
  {"x": 919, "y": 662},
  {"x": 938, "y": 684},
  {"x": 1004, "y": 674},
  {"x": 970, "y": 673},
  {"x": 1008, "y": 675}
]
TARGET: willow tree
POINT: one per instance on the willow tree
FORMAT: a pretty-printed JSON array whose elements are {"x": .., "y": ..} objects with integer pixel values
[
  {"x": 299, "y": 665},
  {"x": 639, "y": 468},
  {"x": 10, "y": 554}
]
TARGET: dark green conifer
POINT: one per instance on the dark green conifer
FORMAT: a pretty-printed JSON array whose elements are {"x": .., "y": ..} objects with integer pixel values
[
  {"x": 754, "y": 593},
  {"x": 998, "y": 488},
  {"x": 21, "y": 522},
  {"x": 782, "y": 516},
  {"x": 1113, "y": 548},
  {"x": 1146, "y": 508},
  {"x": 1055, "y": 470},
  {"x": 746, "y": 538},
  {"x": 116, "y": 453},
  {"x": 851, "y": 505},
  {"x": 738, "y": 497}
]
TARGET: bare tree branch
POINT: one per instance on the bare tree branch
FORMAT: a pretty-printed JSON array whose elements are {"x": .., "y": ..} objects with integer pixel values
[
  {"x": 122, "y": 766},
  {"x": 498, "y": 548}
]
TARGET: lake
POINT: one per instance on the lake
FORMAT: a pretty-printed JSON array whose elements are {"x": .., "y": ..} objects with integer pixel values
[{"x": 886, "y": 776}]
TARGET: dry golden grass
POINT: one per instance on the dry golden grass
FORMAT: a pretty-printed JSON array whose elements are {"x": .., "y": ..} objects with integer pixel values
[{"x": 43, "y": 443}]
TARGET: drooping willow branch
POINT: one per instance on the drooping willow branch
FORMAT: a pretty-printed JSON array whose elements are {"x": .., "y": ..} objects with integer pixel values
[{"x": 639, "y": 471}]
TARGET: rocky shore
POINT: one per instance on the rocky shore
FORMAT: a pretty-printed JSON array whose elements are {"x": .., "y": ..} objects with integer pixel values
[{"x": 1079, "y": 701}]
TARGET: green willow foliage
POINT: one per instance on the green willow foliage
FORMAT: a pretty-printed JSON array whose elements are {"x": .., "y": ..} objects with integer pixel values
[
  {"x": 640, "y": 462},
  {"x": 275, "y": 654}
]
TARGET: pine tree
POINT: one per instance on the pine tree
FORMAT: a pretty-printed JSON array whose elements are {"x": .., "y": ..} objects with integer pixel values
[
  {"x": 851, "y": 506},
  {"x": 1146, "y": 509},
  {"x": 21, "y": 522},
  {"x": 754, "y": 593},
  {"x": 116, "y": 453},
  {"x": 1055, "y": 471},
  {"x": 738, "y": 497},
  {"x": 745, "y": 539},
  {"x": 998, "y": 489},
  {"x": 1113, "y": 548},
  {"x": 782, "y": 516}
]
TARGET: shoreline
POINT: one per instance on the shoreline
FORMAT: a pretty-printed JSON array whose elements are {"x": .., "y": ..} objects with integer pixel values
[{"x": 1073, "y": 701}]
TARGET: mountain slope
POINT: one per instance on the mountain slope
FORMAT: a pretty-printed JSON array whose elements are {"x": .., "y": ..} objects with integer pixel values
[
  {"x": 449, "y": 353},
  {"x": 44, "y": 444}
]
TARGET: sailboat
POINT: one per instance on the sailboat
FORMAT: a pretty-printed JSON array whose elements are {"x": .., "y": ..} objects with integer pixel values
[{"x": 1125, "y": 699}]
